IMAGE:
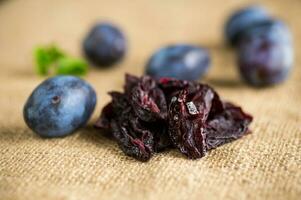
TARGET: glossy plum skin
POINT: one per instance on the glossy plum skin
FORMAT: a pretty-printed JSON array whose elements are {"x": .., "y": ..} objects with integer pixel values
[
  {"x": 105, "y": 44},
  {"x": 241, "y": 20},
  {"x": 59, "y": 106},
  {"x": 265, "y": 53},
  {"x": 181, "y": 61}
]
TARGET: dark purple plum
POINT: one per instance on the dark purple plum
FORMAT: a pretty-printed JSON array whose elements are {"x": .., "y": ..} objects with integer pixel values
[
  {"x": 265, "y": 53},
  {"x": 181, "y": 61},
  {"x": 59, "y": 106},
  {"x": 105, "y": 45},
  {"x": 241, "y": 20}
]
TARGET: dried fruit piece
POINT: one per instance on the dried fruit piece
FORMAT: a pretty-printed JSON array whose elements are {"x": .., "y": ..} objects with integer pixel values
[
  {"x": 148, "y": 100},
  {"x": 130, "y": 82},
  {"x": 160, "y": 132},
  {"x": 105, "y": 118},
  {"x": 131, "y": 136},
  {"x": 187, "y": 117},
  {"x": 196, "y": 119},
  {"x": 139, "y": 146},
  {"x": 227, "y": 126}
]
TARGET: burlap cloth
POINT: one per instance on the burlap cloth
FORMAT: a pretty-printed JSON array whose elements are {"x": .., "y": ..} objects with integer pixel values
[{"x": 86, "y": 165}]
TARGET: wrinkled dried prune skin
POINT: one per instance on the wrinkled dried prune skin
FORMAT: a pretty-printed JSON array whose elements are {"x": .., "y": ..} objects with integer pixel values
[
  {"x": 104, "y": 120},
  {"x": 132, "y": 139},
  {"x": 187, "y": 117},
  {"x": 200, "y": 121},
  {"x": 130, "y": 82},
  {"x": 162, "y": 139},
  {"x": 148, "y": 100},
  {"x": 152, "y": 115},
  {"x": 131, "y": 136},
  {"x": 159, "y": 129},
  {"x": 137, "y": 133},
  {"x": 227, "y": 126},
  {"x": 171, "y": 87},
  {"x": 150, "y": 106}
]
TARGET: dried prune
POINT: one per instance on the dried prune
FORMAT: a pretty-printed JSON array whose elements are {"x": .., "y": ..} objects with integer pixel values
[
  {"x": 227, "y": 126},
  {"x": 188, "y": 113},
  {"x": 160, "y": 132},
  {"x": 130, "y": 82},
  {"x": 105, "y": 120},
  {"x": 131, "y": 136},
  {"x": 152, "y": 115},
  {"x": 148, "y": 100},
  {"x": 132, "y": 139},
  {"x": 171, "y": 87}
]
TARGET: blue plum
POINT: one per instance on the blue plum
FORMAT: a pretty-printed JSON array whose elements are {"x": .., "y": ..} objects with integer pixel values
[
  {"x": 59, "y": 106},
  {"x": 265, "y": 53},
  {"x": 241, "y": 20},
  {"x": 105, "y": 45},
  {"x": 180, "y": 61}
]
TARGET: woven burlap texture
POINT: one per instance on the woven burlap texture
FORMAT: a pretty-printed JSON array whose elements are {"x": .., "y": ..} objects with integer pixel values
[{"x": 263, "y": 165}]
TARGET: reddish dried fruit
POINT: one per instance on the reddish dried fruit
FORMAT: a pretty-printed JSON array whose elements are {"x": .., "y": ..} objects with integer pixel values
[
  {"x": 171, "y": 86},
  {"x": 188, "y": 113},
  {"x": 185, "y": 122},
  {"x": 134, "y": 139},
  {"x": 227, "y": 126},
  {"x": 148, "y": 100},
  {"x": 104, "y": 122},
  {"x": 130, "y": 82},
  {"x": 153, "y": 115},
  {"x": 161, "y": 137}
]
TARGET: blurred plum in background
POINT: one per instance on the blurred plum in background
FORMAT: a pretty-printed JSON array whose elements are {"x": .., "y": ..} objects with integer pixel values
[
  {"x": 265, "y": 53},
  {"x": 105, "y": 44},
  {"x": 181, "y": 61},
  {"x": 242, "y": 19}
]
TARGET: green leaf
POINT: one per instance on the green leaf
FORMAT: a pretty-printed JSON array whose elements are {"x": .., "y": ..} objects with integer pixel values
[
  {"x": 42, "y": 61},
  {"x": 52, "y": 59},
  {"x": 45, "y": 57},
  {"x": 71, "y": 66}
]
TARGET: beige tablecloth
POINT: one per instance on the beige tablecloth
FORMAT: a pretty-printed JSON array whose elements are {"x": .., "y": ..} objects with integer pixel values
[{"x": 86, "y": 165}]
